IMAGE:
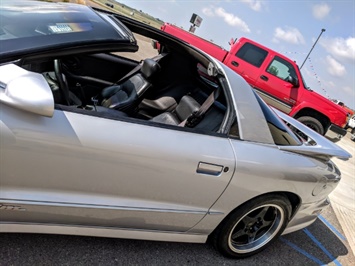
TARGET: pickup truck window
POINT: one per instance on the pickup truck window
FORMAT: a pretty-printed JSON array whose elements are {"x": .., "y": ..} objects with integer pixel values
[
  {"x": 281, "y": 69},
  {"x": 252, "y": 54}
]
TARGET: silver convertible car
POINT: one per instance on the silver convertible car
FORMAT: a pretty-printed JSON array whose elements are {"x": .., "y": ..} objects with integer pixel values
[{"x": 100, "y": 139}]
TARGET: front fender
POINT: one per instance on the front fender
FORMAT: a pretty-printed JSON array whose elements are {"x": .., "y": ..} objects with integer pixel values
[{"x": 334, "y": 116}]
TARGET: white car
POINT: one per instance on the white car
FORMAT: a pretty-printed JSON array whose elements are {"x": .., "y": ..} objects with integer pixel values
[{"x": 351, "y": 124}]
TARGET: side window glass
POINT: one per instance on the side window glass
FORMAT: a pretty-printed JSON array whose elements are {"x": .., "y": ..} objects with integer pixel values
[
  {"x": 252, "y": 54},
  {"x": 281, "y": 69}
]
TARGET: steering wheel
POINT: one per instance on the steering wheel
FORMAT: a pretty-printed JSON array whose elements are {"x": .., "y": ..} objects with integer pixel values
[{"x": 63, "y": 84}]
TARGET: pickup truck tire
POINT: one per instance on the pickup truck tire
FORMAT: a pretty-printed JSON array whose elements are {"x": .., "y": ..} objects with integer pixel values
[{"x": 313, "y": 123}]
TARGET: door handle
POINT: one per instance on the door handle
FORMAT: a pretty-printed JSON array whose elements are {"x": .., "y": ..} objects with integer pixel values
[
  {"x": 209, "y": 168},
  {"x": 235, "y": 63},
  {"x": 264, "y": 77}
]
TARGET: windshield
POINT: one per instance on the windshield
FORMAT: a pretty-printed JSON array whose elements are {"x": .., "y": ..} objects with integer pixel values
[
  {"x": 31, "y": 25},
  {"x": 303, "y": 81}
]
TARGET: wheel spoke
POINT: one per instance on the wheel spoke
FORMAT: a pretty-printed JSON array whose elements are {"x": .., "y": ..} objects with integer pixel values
[
  {"x": 251, "y": 237},
  {"x": 263, "y": 212},
  {"x": 239, "y": 233},
  {"x": 267, "y": 223},
  {"x": 247, "y": 220}
]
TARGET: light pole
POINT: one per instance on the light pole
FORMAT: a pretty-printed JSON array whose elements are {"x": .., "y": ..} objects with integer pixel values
[{"x": 323, "y": 30}]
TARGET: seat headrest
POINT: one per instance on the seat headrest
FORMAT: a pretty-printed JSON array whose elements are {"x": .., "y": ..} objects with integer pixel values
[
  {"x": 186, "y": 107},
  {"x": 149, "y": 68}
]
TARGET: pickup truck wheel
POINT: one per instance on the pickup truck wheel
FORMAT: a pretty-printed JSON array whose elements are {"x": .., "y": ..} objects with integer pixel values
[
  {"x": 312, "y": 123},
  {"x": 253, "y": 226}
]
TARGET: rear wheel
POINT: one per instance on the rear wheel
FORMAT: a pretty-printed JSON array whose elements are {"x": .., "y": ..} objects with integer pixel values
[
  {"x": 312, "y": 123},
  {"x": 252, "y": 227}
]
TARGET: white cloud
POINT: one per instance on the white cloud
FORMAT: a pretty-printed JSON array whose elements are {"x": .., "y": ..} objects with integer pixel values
[
  {"x": 342, "y": 49},
  {"x": 320, "y": 11},
  {"x": 348, "y": 89},
  {"x": 334, "y": 67},
  {"x": 208, "y": 11},
  {"x": 253, "y": 4},
  {"x": 290, "y": 35},
  {"x": 229, "y": 18}
]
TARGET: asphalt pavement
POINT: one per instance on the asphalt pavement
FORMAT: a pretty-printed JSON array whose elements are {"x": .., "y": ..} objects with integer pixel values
[
  {"x": 319, "y": 244},
  {"x": 343, "y": 197}
]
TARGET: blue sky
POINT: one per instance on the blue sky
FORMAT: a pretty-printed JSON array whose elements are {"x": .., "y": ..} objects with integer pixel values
[{"x": 289, "y": 27}]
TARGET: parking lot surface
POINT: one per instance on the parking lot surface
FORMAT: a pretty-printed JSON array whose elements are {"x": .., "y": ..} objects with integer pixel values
[{"x": 321, "y": 243}]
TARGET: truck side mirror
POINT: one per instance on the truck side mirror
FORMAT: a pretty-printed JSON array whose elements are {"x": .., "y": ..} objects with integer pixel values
[{"x": 293, "y": 81}]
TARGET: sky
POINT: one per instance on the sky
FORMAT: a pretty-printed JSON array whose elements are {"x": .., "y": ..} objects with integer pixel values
[{"x": 288, "y": 27}]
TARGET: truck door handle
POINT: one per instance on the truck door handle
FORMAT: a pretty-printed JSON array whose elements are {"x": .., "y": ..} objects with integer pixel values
[
  {"x": 264, "y": 77},
  {"x": 235, "y": 63},
  {"x": 210, "y": 169}
]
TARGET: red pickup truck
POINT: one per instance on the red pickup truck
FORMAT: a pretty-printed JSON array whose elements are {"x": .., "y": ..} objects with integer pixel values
[{"x": 276, "y": 78}]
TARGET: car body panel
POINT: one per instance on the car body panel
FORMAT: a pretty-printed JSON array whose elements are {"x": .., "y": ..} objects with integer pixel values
[
  {"x": 290, "y": 173},
  {"x": 320, "y": 147},
  {"x": 251, "y": 120},
  {"x": 101, "y": 171}
]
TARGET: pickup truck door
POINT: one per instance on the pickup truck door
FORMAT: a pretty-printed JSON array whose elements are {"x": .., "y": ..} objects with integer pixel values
[
  {"x": 273, "y": 85},
  {"x": 246, "y": 61}
]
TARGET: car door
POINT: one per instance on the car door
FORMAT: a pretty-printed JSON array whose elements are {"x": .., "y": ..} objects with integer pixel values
[
  {"x": 276, "y": 90},
  {"x": 247, "y": 61},
  {"x": 81, "y": 169}
]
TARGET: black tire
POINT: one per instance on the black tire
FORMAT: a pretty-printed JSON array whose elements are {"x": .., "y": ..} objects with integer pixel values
[
  {"x": 312, "y": 123},
  {"x": 253, "y": 226}
]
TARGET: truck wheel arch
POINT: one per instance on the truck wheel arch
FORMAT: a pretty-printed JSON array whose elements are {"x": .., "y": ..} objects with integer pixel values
[{"x": 308, "y": 115}]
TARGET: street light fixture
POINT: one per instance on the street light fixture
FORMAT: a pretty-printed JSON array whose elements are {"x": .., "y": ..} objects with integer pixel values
[{"x": 323, "y": 30}]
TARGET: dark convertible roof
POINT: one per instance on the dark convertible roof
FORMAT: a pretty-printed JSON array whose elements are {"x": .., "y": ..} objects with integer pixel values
[{"x": 32, "y": 26}]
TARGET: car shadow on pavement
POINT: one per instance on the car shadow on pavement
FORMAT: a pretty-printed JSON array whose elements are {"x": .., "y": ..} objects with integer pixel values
[{"x": 315, "y": 245}]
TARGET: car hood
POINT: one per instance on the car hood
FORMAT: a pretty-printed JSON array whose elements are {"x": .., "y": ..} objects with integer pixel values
[
  {"x": 319, "y": 98},
  {"x": 317, "y": 146}
]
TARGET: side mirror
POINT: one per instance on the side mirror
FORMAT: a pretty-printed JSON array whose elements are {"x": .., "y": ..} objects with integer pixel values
[
  {"x": 293, "y": 81},
  {"x": 25, "y": 90}
]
